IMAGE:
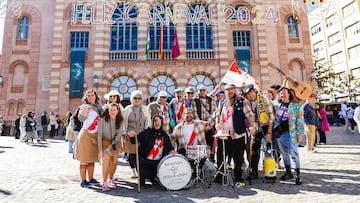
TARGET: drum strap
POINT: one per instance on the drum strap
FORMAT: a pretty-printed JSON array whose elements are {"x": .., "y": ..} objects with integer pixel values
[{"x": 156, "y": 150}]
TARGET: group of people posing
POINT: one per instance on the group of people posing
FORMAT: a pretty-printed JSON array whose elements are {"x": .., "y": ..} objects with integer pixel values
[{"x": 161, "y": 128}]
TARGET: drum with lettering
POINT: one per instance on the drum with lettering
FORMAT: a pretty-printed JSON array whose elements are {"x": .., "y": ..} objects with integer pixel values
[
  {"x": 174, "y": 172},
  {"x": 197, "y": 152}
]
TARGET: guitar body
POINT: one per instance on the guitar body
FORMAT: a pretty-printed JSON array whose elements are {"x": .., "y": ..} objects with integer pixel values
[{"x": 301, "y": 89}]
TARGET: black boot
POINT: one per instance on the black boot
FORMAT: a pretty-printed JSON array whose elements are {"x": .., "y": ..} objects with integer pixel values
[
  {"x": 212, "y": 158},
  {"x": 288, "y": 175},
  {"x": 298, "y": 181}
]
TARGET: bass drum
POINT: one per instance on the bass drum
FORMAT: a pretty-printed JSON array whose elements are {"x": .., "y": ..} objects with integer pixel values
[{"x": 174, "y": 172}]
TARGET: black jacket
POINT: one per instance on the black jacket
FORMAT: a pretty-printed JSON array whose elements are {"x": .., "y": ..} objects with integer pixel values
[{"x": 147, "y": 138}]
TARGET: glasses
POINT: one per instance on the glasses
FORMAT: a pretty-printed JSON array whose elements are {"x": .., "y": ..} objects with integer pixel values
[
  {"x": 113, "y": 96},
  {"x": 137, "y": 98},
  {"x": 163, "y": 97},
  {"x": 202, "y": 90},
  {"x": 190, "y": 92}
]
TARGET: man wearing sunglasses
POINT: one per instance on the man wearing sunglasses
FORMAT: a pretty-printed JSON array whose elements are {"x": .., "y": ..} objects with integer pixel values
[{"x": 162, "y": 108}]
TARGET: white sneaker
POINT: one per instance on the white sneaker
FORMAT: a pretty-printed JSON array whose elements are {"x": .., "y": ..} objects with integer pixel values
[
  {"x": 105, "y": 187},
  {"x": 111, "y": 183}
]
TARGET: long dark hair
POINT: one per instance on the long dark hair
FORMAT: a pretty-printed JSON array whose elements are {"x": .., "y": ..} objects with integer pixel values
[{"x": 119, "y": 117}]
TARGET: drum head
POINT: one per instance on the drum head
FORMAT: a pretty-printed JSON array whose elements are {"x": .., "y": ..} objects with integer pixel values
[{"x": 174, "y": 172}]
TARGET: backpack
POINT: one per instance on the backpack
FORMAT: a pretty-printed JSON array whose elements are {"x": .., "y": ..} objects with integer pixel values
[{"x": 77, "y": 123}]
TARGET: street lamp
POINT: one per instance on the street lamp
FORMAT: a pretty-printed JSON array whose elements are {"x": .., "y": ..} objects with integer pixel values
[
  {"x": 1, "y": 81},
  {"x": 96, "y": 81}
]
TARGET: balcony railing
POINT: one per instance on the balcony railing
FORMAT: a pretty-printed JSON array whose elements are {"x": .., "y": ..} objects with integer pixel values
[
  {"x": 154, "y": 55},
  {"x": 123, "y": 55},
  {"x": 200, "y": 54}
]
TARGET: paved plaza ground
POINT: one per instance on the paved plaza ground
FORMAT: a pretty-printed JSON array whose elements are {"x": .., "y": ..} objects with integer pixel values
[{"x": 45, "y": 172}]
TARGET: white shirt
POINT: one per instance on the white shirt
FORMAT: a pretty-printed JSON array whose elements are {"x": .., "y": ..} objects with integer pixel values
[
  {"x": 187, "y": 130},
  {"x": 343, "y": 110}
]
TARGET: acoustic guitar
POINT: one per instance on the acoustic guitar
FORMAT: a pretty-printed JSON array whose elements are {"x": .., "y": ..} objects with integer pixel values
[{"x": 302, "y": 90}]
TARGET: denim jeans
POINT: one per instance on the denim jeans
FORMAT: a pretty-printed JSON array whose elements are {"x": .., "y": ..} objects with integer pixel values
[{"x": 288, "y": 149}]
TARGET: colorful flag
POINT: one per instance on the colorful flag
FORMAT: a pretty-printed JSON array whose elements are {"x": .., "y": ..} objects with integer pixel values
[
  {"x": 237, "y": 77},
  {"x": 175, "y": 49},
  {"x": 161, "y": 56},
  {"x": 148, "y": 45}
]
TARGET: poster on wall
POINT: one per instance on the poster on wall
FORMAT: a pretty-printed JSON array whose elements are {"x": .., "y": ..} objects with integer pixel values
[{"x": 76, "y": 89}]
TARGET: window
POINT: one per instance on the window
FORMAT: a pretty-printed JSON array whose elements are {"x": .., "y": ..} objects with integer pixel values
[
  {"x": 334, "y": 39},
  {"x": 124, "y": 34},
  {"x": 202, "y": 80},
  {"x": 336, "y": 58},
  {"x": 354, "y": 52},
  {"x": 332, "y": 20},
  {"x": 162, "y": 83},
  {"x": 242, "y": 45},
  {"x": 318, "y": 46},
  {"x": 356, "y": 73},
  {"x": 23, "y": 28},
  {"x": 125, "y": 85},
  {"x": 316, "y": 29},
  {"x": 293, "y": 27},
  {"x": 199, "y": 35},
  {"x": 241, "y": 39},
  {"x": 349, "y": 9},
  {"x": 353, "y": 29},
  {"x": 79, "y": 40}
]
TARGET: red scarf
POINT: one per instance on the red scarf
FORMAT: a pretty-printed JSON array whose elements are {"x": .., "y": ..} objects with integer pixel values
[
  {"x": 180, "y": 112},
  {"x": 192, "y": 137},
  {"x": 156, "y": 149}
]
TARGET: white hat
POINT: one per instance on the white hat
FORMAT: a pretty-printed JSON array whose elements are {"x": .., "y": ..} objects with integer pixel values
[
  {"x": 163, "y": 94},
  {"x": 112, "y": 92}
]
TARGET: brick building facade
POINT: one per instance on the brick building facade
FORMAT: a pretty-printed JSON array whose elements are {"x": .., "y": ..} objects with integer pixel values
[{"x": 40, "y": 41}]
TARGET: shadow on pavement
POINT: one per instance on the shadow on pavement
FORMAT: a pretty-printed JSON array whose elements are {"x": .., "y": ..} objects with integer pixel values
[
  {"x": 6, "y": 147},
  {"x": 5, "y": 192}
]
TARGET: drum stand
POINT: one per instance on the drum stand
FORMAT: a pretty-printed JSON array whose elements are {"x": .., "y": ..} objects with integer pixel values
[
  {"x": 198, "y": 173},
  {"x": 227, "y": 178}
]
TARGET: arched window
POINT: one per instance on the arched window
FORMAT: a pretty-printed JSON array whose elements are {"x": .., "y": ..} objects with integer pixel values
[
  {"x": 124, "y": 32},
  {"x": 202, "y": 80},
  {"x": 23, "y": 28},
  {"x": 199, "y": 34},
  {"x": 125, "y": 85},
  {"x": 293, "y": 27},
  {"x": 162, "y": 83}
]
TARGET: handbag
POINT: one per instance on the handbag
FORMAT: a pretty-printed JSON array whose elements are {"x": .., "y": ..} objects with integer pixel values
[{"x": 276, "y": 132}]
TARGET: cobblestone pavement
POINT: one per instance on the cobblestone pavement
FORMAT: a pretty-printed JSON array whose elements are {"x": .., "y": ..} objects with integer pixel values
[{"x": 45, "y": 172}]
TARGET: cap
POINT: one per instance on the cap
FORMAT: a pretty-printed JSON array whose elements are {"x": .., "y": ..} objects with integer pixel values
[
  {"x": 112, "y": 92},
  {"x": 247, "y": 89},
  {"x": 163, "y": 94},
  {"x": 179, "y": 90},
  {"x": 219, "y": 92},
  {"x": 190, "y": 89},
  {"x": 201, "y": 87},
  {"x": 228, "y": 86}
]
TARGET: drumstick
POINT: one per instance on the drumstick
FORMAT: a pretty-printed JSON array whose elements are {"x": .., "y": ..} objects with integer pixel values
[{"x": 137, "y": 162}]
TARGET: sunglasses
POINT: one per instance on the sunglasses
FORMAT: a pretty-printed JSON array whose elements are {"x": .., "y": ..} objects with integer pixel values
[
  {"x": 190, "y": 92},
  {"x": 113, "y": 96},
  {"x": 202, "y": 90},
  {"x": 163, "y": 97},
  {"x": 137, "y": 97}
]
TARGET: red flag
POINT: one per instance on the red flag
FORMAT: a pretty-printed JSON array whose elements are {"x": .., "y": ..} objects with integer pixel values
[
  {"x": 161, "y": 56},
  {"x": 175, "y": 49},
  {"x": 237, "y": 77}
]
